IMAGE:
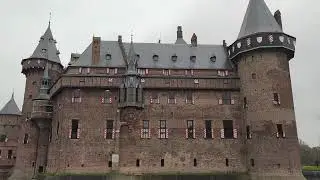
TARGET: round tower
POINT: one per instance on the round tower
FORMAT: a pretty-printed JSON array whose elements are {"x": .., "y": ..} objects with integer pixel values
[{"x": 261, "y": 54}]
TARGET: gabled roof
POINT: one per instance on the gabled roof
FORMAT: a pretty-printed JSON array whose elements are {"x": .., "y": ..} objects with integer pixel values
[
  {"x": 47, "y": 48},
  {"x": 10, "y": 108},
  {"x": 258, "y": 18},
  {"x": 146, "y": 51}
]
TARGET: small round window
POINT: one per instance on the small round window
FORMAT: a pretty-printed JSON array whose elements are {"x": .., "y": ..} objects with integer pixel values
[
  {"x": 108, "y": 56},
  {"x": 155, "y": 57},
  {"x": 213, "y": 58}
]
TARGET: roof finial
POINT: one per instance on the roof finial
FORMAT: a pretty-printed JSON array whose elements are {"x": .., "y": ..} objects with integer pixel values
[
  {"x": 12, "y": 96},
  {"x": 131, "y": 37},
  {"x": 49, "y": 19}
]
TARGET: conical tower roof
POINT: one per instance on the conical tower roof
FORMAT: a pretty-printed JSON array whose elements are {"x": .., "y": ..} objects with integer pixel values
[
  {"x": 258, "y": 18},
  {"x": 11, "y": 108},
  {"x": 47, "y": 47}
]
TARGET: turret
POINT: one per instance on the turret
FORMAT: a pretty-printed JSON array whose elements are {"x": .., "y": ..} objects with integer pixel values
[{"x": 262, "y": 53}]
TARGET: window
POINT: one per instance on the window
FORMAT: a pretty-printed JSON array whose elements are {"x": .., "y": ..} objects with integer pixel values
[
  {"x": 154, "y": 99},
  {"x": 162, "y": 162},
  {"x": 109, "y": 131},
  {"x": 208, "y": 129},
  {"x": 110, "y": 164},
  {"x": 227, "y": 162},
  {"x": 58, "y": 126},
  {"x": 223, "y": 73},
  {"x": 88, "y": 70},
  {"x": 0, "y": 153},
  {"x": 174, "y": 57},
  {"x": 155, "y": 57},
  {"x": 276, "y": 98},
  {"x": 145, "y": 131},
  {"x": 171, "y": 98},
  {"x": 249, "y": 134},
  {"x": 252, "y": 162},
  {"x": 245, "y": 103},
  {"x": 74, "y": 132},
  {"x": 195, "y": 162},
  {"x": 107, "y": 97},
  {"x": 280, "y": 132},
  {"x": 228, "y": 129},
  {"x": 40, "y": 170},
  {"x": 108, "y": 56},
  {"x": 33, "y": 164},
  {"x": 226, "y": 98},
  {"x": 76, "y": 97},
  {"x": 138, "y": 163},
  {"x": 193, "y": 58},
  {"x": 163, "y": 131},
  {"x": 34, "y": 83},
  {"x": 26, "y": 138},
  {"x": 166, "y": 72},
  {"x": 190, "y": 131},
  {"x": 189, "y": 98},
  {"x": 254, "y": 76},
  {"x": 44, "y": 50},
  {"x": 143, "y": 71},
  {"x": 3, "y": 138},
  {"x": 9, "y": 154},
  {"x": 213, "y": 58},
  {"x": 188, "y": 72}
]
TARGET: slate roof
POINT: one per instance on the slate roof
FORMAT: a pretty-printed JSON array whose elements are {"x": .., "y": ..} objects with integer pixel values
[
  {"x": 47, "y": 47},
  {"x": 146, "y": 52},
  {"x": 258, "y": 18},
  {"x": 10, "y": 108}
]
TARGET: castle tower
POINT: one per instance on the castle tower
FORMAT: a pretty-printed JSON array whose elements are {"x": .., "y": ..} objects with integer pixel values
[
  {"x": 261, "y": 54},
  {"x": 45, "y": 54},
  {"x": 10, "y": 121}
]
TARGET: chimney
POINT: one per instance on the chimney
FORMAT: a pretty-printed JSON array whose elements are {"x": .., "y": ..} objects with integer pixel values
[
  {"x": 224, "y": 43},
  {"x": 194, "y": 40},
  {"x": 179, "y": 33},
  {"x": 277, "y": 16},
  {"x": 119, "y": 39},
  {"x": 96, "y": 43}
]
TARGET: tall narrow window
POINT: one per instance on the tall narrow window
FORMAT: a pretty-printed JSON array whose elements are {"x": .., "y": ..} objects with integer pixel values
[
  {"x": 107, "y": 97},
  {"x": 245, "y": 103},
  {"x": 40, "y": 169},
  {"x": 0, "y": 153},
  {"x": 189, "y": 98},
  {"x": 208, "y": 129},
  {"x": 227, "y": 162},
  {"x": 9, "y": 154},
  {"x": 166, "y": 72},
  {"x": 74, "y": 129},
  {"x": 76, "y": 97},
  {"x": 249, "y": 134},
  {"x": 195, "y": 162},
  {"x": 190, "y": 129},
  {"x": 145, "y": 132},
  {"x": 26, "y": 138},
  {"x": 228, "y": 129},
  {"x": 162, "y": 162},
  {"x": 252, "y": 162},
  {"x": 138, "y": 162},
  {"x": 109, "y": 132},
  {"x": 171, "y": 98},
  {"x": 226, "y": 98},
  {"x": 163, "y": 131},
  {"x": 154, "y": 99},
  {"x": 276, "y": 98},
  {"x": 110, "y": 164},
  {"x": 254, "y": 76},
  {"x": 280, "y": 133}
]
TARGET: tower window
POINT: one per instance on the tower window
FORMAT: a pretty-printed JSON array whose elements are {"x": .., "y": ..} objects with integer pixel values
[
  {"x": 110, "y": 164},
  {"x": 107, "y": 99},
  {"x": 155, "y": 57},
  {"x": 254, "y": 76},
  {"x": 76, "y": 97},
  {"x": 138, "y": 163},
  {"x": 109, "y": 130},
  {"x": 228, "y": 129},
  {"x": 40, "y": 169},
  {"x": 189, "y": 98},
  {"x": 213, "y": 58},
  {"x": 108, "y": 56},
  {"x": 174, "y": 58},
  {"x": 195, "y": 162},
  {"x": 190, "y": 129},
  {"x": 74, "y": 129},
  {"x": 162, "y": 162},
  {"x": 163, "y": 134},
  {"x": 249, "y": 134},
  {"x": 245, "y": 103},
  {"x": 26, "y": 138},
  {"x": 276, "y": 98},
  {"x": 208, "y": 133},
  {"x": 145, "y": 132},
  {"x": 280, "y": 132},
  {"x": 227, "y": 162},
  {"x": 10, "y": 154},
  {"x": 252, "y": 162}
]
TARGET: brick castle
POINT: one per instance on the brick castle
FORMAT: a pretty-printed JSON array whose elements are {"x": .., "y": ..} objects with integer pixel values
[{"x": 152, "y": 108}]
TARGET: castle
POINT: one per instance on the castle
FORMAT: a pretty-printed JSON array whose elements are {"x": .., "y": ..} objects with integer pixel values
[{"x": 148, "y": 108}]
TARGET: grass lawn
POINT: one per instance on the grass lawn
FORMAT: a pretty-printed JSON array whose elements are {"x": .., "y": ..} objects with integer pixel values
[{"x": 311, "y": 168}]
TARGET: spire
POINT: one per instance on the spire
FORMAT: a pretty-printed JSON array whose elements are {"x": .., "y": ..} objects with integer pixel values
[
  {"x": 194, "y": 40},
  {"x": 46, "y": 48},
  {"x": 132, "y": 59},
  {"x": 11, "y": 108},
  {"x": 180, "y": 39},
  {"x": 45, "y": 84},
  {"x": 258, "y": 18}
]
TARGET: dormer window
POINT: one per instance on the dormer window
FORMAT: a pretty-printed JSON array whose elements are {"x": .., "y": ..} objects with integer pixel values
[
  {"x": 137, "y": 56},
  {"x": 193, "y": 58},
  {"x": 44, "y": 50},
  {"x": 174, "y": 57},
  {"x": 58, "y": 52},
  {"x": 155, "y": 57},
  {"x": 213, "y": 58},
  {"x": 108, "y": 56}
]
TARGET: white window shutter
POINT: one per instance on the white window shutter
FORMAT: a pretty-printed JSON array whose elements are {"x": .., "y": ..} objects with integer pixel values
[
  {"x": 70, "y": 132},
  {"x": 204, "y": 133},
  {"x": 6, "y": 140},
  {"x": 80, "y": 70},
  {"x": 116, "y": 71},
  {"x": 105, "y": 134},
  {"x": 80, "y": 99},
  {"x": 149, "y": 134},
  {"x": 78, "y": 134},
  {"x": 235, "y": 133},
  {"x": 88, "y": 70},
  {"x": 151, "y": 100},
  {"x": 194, "y": 133},
  {"x": 284, "y": 134},
  {"x": 108, "y": 70},
  {"x": 102, "y": 99},
  {"x": 278, "y": 135},
  {"x": 185, "y": 72},
  {"x": 163, "y": 72},
  {"x": 220, "y": 101},
  {"x": 212, "y": 133},
  {"x": 168, "y": 100},
  {"x": 158, "y": 100},
  {"x": 232, "y": 101},
  {"x": 279, "y": 99},
  {"x": 187, "y": 133},
  {"x": 72, "y": 99},
  {"x": 227, "y": 72},
  {"x": 186, "y": 100},
  {"x": 167, "y": 133},
  {"x": 110, "y": 100},
  {"x": 222, "y": 133},
  {"x": 159, "y": 134},
  {"x": 113, "y": 133},
  {"x": 147, "y": 71},
  {"x": 191, "y": 71}
]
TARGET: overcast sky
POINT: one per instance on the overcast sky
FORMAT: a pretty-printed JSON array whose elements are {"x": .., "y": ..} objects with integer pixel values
[{"x": 74, "y": 22}]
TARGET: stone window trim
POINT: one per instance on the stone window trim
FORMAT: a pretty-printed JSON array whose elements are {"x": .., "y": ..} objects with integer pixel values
[
  {"x": 166, "y": 72},
  {"x": 189, "y": 98},
  {"x": 143, "y": 71},
  {"x": 226, "y": 99},
  {"x": 163, "y": 131},
  {"x": 228, "y": 131},
  {"x": 189, "y": 72},
  {"x": 26, "y": 138},
  {"x": 190, "y": 130},
  {"x": 172, "y": 99},
  {"x": 10, "y": 154},
  {"x": 74, "y": 130},
  {"x": 107, "y": 97},
  {"x": 154, "y": 98},
  {"x": 205, "y": 133},
  {"x": 76, "y": 96},
  {"x": 109, "y": 131},
  {"x": 276, "y": 98},
  {"x": 248, "y": 132},
  {"x": 235, "y": 133},
  {"x": 208, "y": 131},
  {"x": 145, "y": 131},
  {"x": 280, "y": 131},
  {"x": 223, "y": 73}
]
